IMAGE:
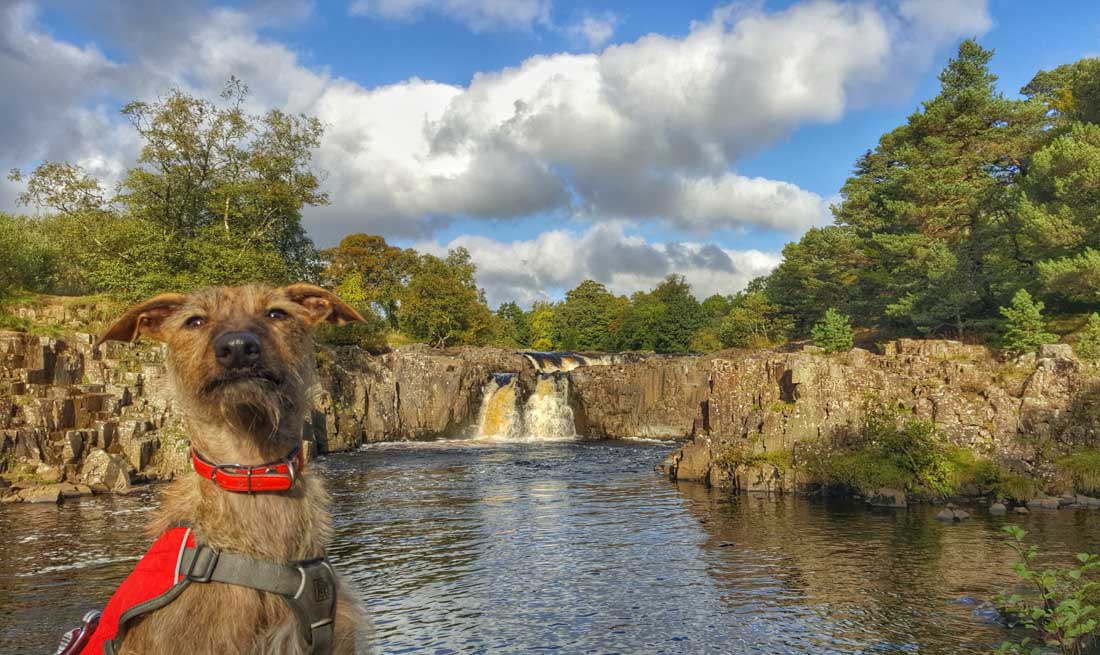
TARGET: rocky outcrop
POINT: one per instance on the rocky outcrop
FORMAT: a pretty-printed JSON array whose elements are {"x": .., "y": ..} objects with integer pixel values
[
  {"x": 656, "y": 397},
  {"x": 762, "y": 402}
]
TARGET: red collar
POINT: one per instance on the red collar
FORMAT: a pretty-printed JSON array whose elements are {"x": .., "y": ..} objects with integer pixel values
[{"x": 272, "y": 476}]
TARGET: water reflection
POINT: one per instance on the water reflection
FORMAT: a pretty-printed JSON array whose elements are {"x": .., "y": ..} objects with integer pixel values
[{"x": 580, "y": 548}]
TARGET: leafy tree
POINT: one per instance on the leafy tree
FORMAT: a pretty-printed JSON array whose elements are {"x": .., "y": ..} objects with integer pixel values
[
  {"x": 216, "y": 198},
  {"x": 541, "y": 320},
  {"x": 443, "y": 306},
  {"x": 1088, "y": 343},
  {"x": 664, "y": 320},
  {"x": 29, "y": 259},
  {"x": 833, "y": 332},
  {"x": 366, "y": 269},
  {"x": 754, "y": 322},
  {"x": 1023, "y": 329},
  {"x": 716, "y": 307},
  {"x": 822, "y": 269},
  {"x": 516, "y": 324},
  {"x": 581, "y": 322},
  {"x": 1071, "y": 92}
]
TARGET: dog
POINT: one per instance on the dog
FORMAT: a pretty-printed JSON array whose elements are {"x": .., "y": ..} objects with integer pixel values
[{"x": 241, "y": 362}]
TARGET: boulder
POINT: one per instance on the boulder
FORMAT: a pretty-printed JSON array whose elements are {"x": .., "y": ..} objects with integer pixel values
[
  {"x": 952, "y": 515},
  {"x": 1043, "y": 503},
  {"x": 43, "y": 494},
  {"x": 997, "y": 508},
  {"x": 1056, "y": 351},
  {"x": 48, "y": 473},
  {"x": 1021, "y": 510},
  {"x": 887, "y": 497},
  {"x": 102, "y": 469}
]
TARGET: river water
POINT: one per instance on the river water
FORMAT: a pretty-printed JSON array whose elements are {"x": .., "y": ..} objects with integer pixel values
[{"x": 579, "y": 547}]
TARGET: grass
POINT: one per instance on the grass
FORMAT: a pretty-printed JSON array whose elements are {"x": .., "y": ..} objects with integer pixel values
[
  {"x": 1082, "y": 468},
  {"x": 733, "y": 456}
]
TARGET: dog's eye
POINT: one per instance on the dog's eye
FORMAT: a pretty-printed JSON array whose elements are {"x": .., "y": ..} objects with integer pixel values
[
  {"x": 195, "y": 322},
  {"x": 277, "y": 314}
]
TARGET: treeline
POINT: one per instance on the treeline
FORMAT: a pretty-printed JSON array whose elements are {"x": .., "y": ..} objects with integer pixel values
[{"x": 969, "y": 221}]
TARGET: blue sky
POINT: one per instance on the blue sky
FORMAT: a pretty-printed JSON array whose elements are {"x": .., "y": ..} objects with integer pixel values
[{"x": 555, "y": 139}]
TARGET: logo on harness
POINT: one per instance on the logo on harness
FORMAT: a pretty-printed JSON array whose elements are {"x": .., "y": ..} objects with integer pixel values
[{"x": 322, "y": 590}]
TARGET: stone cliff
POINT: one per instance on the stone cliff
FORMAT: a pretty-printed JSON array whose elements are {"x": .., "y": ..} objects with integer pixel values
[{"x": 81, "y": 421}]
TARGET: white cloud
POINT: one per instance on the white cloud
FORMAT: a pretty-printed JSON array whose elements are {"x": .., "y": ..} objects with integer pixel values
[
  {"x": 652, "y": 129},
  {"x": 478, "y": 15},
  {"x": 594, "y": 30},
  {"x": 544, "y": 267}
]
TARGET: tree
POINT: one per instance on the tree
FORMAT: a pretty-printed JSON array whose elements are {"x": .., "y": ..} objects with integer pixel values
[
  {"x": 516, "y": 324},
  {"x": 582, "y": 321},
  {"x": 216, "y": 198},
  {"x": 541, "y": 320},
  {"x": 822, "y": 269},
  {"x": 833, "y": 333},
  {"x": 1088, "y": 343},
  {"x": 1023, "y": 328},
  {"x": 367, "y": 270},
  {"x": 664, "y": 320},
  {"x": 442, "y": 306},
  {"x": 754, "y": 322},
  {"x": 29, "y": 259}
]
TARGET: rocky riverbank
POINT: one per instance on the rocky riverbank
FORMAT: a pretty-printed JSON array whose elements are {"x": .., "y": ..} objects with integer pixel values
[{"x": 74, "y": 421}]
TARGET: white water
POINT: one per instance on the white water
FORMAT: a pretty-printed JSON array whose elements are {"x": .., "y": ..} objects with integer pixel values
[
  {"x": 546, "y": 416},
  {"x": 561, "y": 362}
]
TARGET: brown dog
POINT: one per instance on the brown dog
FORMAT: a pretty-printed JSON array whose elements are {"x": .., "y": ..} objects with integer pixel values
[{"x": 241, "y": 361}]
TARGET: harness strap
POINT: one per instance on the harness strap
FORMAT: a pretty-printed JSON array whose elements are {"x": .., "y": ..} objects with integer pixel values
[{"x": 309, "y": 587}]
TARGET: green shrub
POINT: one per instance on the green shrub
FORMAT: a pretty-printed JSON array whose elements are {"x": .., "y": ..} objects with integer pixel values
[
  {"x": 1060, "y": 613},
  {"x": 370, "y": 335},
  {"x": 1088, "y": 343},
  {"x": 1023, "y": 330},
  {"x": 833, "y": 333},
  {"x": 1083, "y": 469},
  {"x": 889, "y": 451}
]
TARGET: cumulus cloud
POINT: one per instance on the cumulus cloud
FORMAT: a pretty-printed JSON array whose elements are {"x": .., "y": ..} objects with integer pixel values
[
  {"x": 648, "y": 130},
  {"x": 544, "y": 267},
  {"x": 593, "y": 30},
  {"x": 478, "y": 15}
]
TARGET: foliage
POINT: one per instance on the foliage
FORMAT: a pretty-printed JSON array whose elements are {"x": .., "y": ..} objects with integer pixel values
[
  {"x": 516, "y": 325},
  {"x": 581, "y": 322},
  {"x": 1059, "y": 612},
  {"x": 753, "y": 322},
  {"x": 889, "y": 451},
  {"x": 366, "y": 270},
  {"x": 1023, "y": 329},
  {"x": 833, "y": 332},
  {"x": 29, "y": 258},
  {"x": 664, "y": 320},
  {"x": 1088, "y": 343},
  {"x": 1083, "y": 470},
  {"x": 541, "y": 320},
  {"x": 442, "y": 305},
  {"x": 216, "y": 198}
]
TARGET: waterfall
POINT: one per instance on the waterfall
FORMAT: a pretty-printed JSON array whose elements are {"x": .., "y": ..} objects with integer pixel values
[
  {"x": 499, "y": 417},
  {"x": 545, "y": 416},
  {"x": 563, "y": 362}
]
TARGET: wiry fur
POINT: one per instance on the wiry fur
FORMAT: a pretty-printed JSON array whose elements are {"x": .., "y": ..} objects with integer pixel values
[{"x": 246, "y": 420}]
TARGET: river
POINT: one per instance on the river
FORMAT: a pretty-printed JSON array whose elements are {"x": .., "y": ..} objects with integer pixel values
[{"x": 579, "y": 547}]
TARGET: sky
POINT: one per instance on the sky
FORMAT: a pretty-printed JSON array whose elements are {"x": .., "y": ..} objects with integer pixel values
[{"x": 557, "y": 140}]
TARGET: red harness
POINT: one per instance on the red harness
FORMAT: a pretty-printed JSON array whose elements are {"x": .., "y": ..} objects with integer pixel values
[{"x": 158, "y": 573}]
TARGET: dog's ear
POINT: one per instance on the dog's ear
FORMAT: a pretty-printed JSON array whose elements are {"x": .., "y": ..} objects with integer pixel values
[
  {"x": 321, "y": 304},
  {"x": 145, "y": 318}
]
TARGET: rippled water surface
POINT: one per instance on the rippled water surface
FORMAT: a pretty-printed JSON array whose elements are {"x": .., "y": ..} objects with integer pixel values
[{"x": 580, "y": 547}]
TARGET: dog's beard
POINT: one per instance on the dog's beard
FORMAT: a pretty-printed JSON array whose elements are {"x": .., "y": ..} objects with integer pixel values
[{"x": 256, "y": 406}]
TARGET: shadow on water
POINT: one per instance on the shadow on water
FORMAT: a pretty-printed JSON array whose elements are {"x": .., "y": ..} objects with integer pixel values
[{"x": 579, "y": 548}]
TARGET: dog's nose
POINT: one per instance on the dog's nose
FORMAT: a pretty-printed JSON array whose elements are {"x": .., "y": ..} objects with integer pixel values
[{"x": 237, "y": 349}]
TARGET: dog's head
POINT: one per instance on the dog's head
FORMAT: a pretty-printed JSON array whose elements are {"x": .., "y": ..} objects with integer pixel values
[{"x": 242, "y": 354}]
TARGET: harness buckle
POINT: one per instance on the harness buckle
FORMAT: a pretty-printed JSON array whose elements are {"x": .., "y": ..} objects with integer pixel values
[{"x": 203, "y": 563}]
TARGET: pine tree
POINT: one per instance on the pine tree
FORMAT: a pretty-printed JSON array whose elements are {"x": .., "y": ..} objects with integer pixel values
[
  {"x": 1023, "y": 329},
  {"x": 833, "y": 333},
  {"x": 1088, "y": 344}
]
